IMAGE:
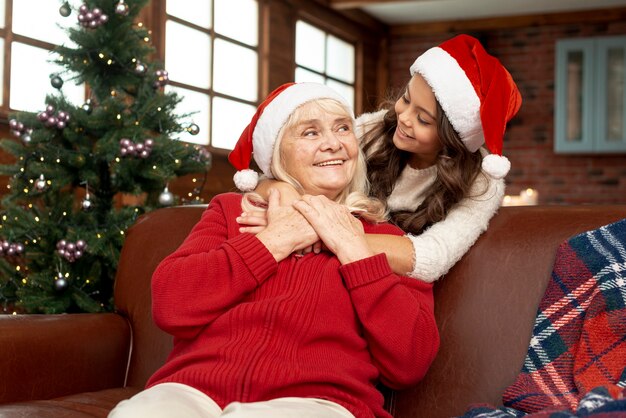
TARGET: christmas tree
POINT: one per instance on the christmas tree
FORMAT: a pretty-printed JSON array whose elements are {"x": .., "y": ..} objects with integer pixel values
[{"x": 63, "y": 219}]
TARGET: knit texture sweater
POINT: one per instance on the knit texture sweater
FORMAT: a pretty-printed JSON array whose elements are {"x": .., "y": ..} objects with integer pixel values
[
  {"x": 247, "y": 328},
  {"x": 439, "y": 247}
]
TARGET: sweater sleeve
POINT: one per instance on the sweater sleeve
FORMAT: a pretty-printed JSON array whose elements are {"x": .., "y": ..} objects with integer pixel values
[
  {"x": 438, "y": 248},
  {"x": 209, "y": 273},
  {"x": 397, "y": 314}
]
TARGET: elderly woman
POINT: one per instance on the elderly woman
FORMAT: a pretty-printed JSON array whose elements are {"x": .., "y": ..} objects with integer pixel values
[{"x": 260, "y": 331}]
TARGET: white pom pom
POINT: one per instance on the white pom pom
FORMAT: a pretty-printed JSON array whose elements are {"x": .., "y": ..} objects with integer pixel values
[
  {"x": 497, "y": 166},
  {"x": 246, "y": 180}
]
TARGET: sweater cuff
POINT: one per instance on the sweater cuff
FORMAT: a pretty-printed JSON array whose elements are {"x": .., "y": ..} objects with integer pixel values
[
  {"x": 255, "y": 256},
  {"x": 365, "y": 271}
]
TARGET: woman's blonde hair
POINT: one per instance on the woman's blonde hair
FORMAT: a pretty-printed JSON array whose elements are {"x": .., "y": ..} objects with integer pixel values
[{"x": 354, "y": 196}]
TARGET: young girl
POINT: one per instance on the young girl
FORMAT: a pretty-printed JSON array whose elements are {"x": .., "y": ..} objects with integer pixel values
[{"x": 426, "y": 157}]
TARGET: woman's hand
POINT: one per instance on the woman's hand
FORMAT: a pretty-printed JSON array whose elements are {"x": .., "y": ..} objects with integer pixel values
[
  {"x": 340, "y": 231},
  {"x": 287, "y": 231}
]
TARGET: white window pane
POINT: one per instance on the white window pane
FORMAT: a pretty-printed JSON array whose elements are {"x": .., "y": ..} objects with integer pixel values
[
  {"x": 189, "y": 68},
  {"x": 615, "y": 94},
  {"x": 238, "y": 19},
  {"x": 310, "y": 46},
  {"x": 41, "y": 19},
  {"x": 229, "y": 120},
  {"x": 575, "y": 65},
  {"x": 340, "y": 59},
  {"x": 197, "y": 12},
  {"x": 235, "y": 70},
  {"x": 198, "y": 106},
  {"x": 345, "y": 90},
  {"x": 305, "y": 75},
  {"x": 2, "y": 15},
  {"x": 30, "y": 79}
]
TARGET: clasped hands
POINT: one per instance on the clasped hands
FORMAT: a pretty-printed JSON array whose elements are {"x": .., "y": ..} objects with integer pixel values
[{"x": 305, "y": 225}]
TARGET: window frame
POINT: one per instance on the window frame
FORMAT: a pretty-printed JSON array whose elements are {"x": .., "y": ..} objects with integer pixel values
[{"x": 593, "y": 102}]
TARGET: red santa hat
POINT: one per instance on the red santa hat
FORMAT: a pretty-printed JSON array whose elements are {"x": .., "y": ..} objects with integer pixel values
[
  {"x": 477, "y": 94},
  {"x": 258, "y": 138}
]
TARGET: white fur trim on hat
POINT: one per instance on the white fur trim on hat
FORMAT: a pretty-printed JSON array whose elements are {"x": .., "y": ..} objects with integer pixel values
[
  {"x": 276, "y": 114},
  {"x": 454, "y": 92},
  {"x": 246, "y": 180},
  {"x": 497, "y": 166}
]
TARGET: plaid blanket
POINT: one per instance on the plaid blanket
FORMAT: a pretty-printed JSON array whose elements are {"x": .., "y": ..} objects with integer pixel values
[{"x": 576, "y": 360}]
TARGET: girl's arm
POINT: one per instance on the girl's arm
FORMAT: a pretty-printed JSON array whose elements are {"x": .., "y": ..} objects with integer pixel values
[
  {"x": 397, "y": 249},
  {"x": 438, "y": 248}
]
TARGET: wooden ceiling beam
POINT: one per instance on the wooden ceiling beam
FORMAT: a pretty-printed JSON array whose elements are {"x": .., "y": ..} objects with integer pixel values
[{"x": 458, "y": 26}]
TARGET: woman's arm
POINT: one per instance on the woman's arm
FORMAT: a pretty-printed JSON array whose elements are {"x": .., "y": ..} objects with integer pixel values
[
  {"x": 215, "y": 268},
  {"x": 208, "y": 274}
]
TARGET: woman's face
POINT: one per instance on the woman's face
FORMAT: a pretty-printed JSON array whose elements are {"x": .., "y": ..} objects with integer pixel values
[
  {"x": 320, "y": 151},
  {"x": 416, "y": 132}
]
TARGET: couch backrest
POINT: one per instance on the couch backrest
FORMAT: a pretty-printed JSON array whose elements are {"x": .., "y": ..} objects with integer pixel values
[
  {"x": 154, "y": 236},
  {"x": 485, "y": 306}
]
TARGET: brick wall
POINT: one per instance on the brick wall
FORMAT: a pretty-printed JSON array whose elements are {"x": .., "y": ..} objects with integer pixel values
[{"x": 528, "y": 53}]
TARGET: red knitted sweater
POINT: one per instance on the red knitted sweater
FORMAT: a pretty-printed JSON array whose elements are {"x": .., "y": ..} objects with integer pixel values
[{"x": 249, "y": 329}]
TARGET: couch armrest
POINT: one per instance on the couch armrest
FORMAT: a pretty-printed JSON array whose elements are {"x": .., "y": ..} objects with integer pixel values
[{"x": 46, "y": 356}]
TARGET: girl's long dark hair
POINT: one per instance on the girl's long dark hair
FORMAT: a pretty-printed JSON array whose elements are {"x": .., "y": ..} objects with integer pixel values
[{"x": 457, "y": 168}]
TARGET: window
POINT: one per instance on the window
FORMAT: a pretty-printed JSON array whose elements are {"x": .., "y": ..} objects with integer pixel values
[
  {"x": 590, "y": 95},
  {"x": 27, "y": 39},
  {"x": 213, "y": 65},
  {"x": 324, "y": 58}
]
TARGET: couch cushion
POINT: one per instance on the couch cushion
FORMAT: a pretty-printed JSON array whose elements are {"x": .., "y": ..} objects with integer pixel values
[
  {"x": 90, "y": 404},
  {"x": 153, "y": 237}
]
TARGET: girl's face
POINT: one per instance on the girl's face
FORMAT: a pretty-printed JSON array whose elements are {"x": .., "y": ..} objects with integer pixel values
[
  {"x": 416, "y": 132},
  {"x": 320, "y": 151}
]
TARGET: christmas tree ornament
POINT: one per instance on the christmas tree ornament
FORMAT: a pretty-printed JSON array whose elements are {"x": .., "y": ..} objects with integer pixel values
[
  {"x": 193, "y": 129},
  {"x": 65, "y": 9},
  {"x": 60, "y": 283},
  {"x": 71, "y": 251},
  {"x": 162, "y": 78},
  {"x": 10, "y": 249},
  {"x": 139, "y": 149},
  {"x": 17, "y": 128},
  {"x": 121, "y": 8},
  {"x": 87, "y": 106},
  {"x": 41, "y": 184},
  {"x": 51, "y": 119},
  {"x": 86, "y": 203},
  {"x": 166, "y": 198},
  {"x": 56, "y": 82},
  {"x": 91, "y": 18},
  {"x": 140, "y": 68}
]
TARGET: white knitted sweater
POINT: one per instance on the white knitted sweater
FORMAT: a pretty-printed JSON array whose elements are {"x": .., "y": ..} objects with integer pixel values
[{"x": 439, "y": 247}]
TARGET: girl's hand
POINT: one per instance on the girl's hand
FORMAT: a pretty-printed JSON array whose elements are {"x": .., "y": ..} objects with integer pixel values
[
  {"x": 340, "y": 231},
  {"x": 252, "y": 222}
]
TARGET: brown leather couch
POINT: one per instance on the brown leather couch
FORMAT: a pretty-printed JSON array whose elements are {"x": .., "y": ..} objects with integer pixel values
[{"x": 81, "y": 365}]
